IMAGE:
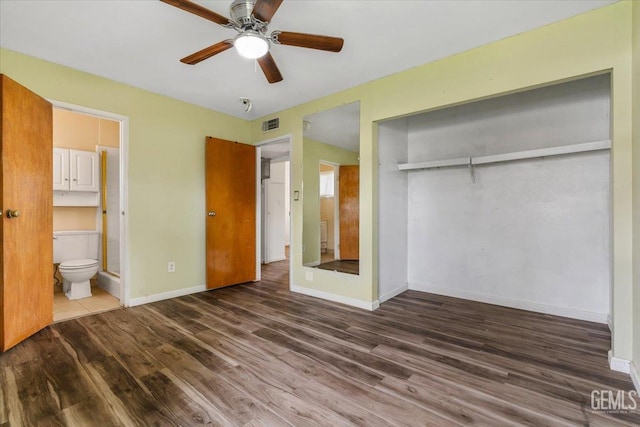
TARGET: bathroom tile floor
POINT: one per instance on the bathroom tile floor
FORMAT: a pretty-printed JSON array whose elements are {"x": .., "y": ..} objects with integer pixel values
[{"x": 65, "y": 309}]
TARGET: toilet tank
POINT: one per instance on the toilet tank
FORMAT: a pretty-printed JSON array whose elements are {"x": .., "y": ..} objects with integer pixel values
[{"x": 81, "y": 244}]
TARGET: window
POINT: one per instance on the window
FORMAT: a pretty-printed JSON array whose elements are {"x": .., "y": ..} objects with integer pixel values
[{"x": 326, "y": 184}]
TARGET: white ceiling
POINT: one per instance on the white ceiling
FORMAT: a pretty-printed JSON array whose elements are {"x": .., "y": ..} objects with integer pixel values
[
  {"x": 140, "y": 42},
  {"x": 338, "y": 126}
]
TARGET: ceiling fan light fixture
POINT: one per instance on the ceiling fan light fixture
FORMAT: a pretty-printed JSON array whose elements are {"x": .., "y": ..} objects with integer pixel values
[{"x": 251, "y": 44}]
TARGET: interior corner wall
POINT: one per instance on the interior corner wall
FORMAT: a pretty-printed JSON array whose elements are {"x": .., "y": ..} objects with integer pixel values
[
  {"x": 586, "y": 44},
  {"x": 530, "y": 234},
  {"x": 392, "y": 209},
  {"x": 165, "y": 168}
]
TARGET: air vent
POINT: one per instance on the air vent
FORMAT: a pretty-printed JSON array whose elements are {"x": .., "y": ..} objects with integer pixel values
[{"x": 270, "y": 125}]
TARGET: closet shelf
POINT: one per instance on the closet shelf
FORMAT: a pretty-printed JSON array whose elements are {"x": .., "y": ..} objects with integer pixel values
[
  {"x": 435, "y": 164},
  {"x": 506, "y": 157}
]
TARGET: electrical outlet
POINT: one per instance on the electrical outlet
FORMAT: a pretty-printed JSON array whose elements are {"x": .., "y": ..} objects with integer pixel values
[{"x": 171, "y": 266}]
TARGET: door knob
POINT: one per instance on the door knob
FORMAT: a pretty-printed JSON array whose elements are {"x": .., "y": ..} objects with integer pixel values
[
  {"x": 211, "y": 213},
  {"x": 11, "y": 213}
]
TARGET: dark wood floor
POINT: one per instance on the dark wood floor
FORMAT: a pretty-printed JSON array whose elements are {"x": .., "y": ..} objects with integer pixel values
[
  {"x": 343, "y": 266},
  {"x": 258, "y": 355}
]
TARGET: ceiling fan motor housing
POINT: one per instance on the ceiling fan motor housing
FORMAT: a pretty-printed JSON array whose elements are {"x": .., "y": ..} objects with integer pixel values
[{"x": 241, "y": 11}]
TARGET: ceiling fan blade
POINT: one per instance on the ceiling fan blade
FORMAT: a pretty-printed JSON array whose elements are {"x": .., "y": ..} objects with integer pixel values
[
  {"x": 311, "y": 41},
  {"x": 269, "y": 68},
  {"x": 265, "y": 9},
  {"x": 196, "y": 9},
  {"x": 207, "y": 52}
]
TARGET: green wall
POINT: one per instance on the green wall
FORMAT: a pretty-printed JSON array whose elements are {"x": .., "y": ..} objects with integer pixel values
[
  {"x": 313, "y": 152},
  {"x": 166, "y": 171},
  {"x": 166, "y": 167},
  {"x": 595, "y": 42}
]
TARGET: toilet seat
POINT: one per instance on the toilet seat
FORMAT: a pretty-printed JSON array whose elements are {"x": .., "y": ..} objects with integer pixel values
[{"x": 78, "y": 264}]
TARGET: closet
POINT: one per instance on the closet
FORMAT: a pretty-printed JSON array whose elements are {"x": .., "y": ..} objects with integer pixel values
[{"x": 505, "y": 201}]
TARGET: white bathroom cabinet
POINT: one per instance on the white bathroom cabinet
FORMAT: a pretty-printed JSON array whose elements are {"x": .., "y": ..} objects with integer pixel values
[
  {"x": 75, "y": 170},
  {"x": 76, "y": 177}
]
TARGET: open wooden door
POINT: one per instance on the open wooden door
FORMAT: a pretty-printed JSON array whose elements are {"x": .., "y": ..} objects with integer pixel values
[
  {"x": 231, "y": 212},
  {"x": 26, "y": 226},
  {"x": 349, "y": 208}
]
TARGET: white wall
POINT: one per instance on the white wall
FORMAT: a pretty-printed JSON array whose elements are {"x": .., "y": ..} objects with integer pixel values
[
  {"x": 564, "y": 114},
  {"x": 532, "y": 234},
  {"x": 392, "y": 208}
]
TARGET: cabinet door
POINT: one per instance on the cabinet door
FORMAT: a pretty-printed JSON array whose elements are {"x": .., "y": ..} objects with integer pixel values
[
  {"x": 61, "y": 169},
  {"x": 84, "y": 171}
]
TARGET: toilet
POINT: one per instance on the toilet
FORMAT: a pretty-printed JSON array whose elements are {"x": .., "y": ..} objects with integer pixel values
[{"x": 77, "y": 254}]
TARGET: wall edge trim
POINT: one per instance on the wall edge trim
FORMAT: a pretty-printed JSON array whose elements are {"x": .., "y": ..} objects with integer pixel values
[
  {"x": 365, "y": 305},
  {"x": 395, "y": 292},
  {"x": 512, "y": 303},
  {"x": 635, "y": 376},
  {"x": 166, "y": 295}
]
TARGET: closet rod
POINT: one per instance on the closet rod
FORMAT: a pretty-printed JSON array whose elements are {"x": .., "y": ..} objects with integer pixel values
[
  {"x": 543, "y": 152},
  {"x": 505, "y": 157}
]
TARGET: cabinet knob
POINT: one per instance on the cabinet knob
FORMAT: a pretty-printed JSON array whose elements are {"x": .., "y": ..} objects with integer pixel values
[
  {"x": 211, "y": 213},
  {"x": 11, "y": 213}
]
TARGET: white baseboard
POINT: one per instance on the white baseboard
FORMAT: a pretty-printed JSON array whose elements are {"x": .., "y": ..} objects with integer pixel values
[
  {"x": 276, "y": 259},
  {"x": 336, "y": 298},
  {"x": 388, "y": 295},
  {"x": 617, "y": 364},
  {"x": 513, "y": 303},
  {"x": 633, "y": 373},
  {"x": 166, "y": 295},
  {"x": 610, "y": 323}
]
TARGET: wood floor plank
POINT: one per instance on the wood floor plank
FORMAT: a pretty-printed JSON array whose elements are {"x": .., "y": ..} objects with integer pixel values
[
  {"x": 306, "y": 389},
  {"x": 177, "y": 403},
  {"x": 347, "y": 367},
  {"x": 36, "y": 400},
  {"x": 256, "y": 354},
  {"x": 125, "y": 348},
  {"x": 93, "y": 411},
  {"x": 139, "y": 404},
  {"x": 13, "y": 408},
  {"x": 395, "y": 411},
  {"x": 83, "y": 342},
  {"x": 232, "y": 403}
]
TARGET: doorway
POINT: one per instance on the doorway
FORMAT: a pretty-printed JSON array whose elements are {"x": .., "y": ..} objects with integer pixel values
[
  {"x": 274, "y": 210},
  {"x": 103, "y": 212},
  {"x": 329, "y": 212}
]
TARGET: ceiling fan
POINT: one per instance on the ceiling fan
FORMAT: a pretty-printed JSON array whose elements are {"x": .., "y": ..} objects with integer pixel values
[{"x": 251, "y": 18}]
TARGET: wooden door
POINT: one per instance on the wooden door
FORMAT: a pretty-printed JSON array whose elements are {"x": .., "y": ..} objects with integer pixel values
[
  {"x": 231, "y": 212},
  {"x": 349, "y": 209},
  {"x": 26, "y": 178}
]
